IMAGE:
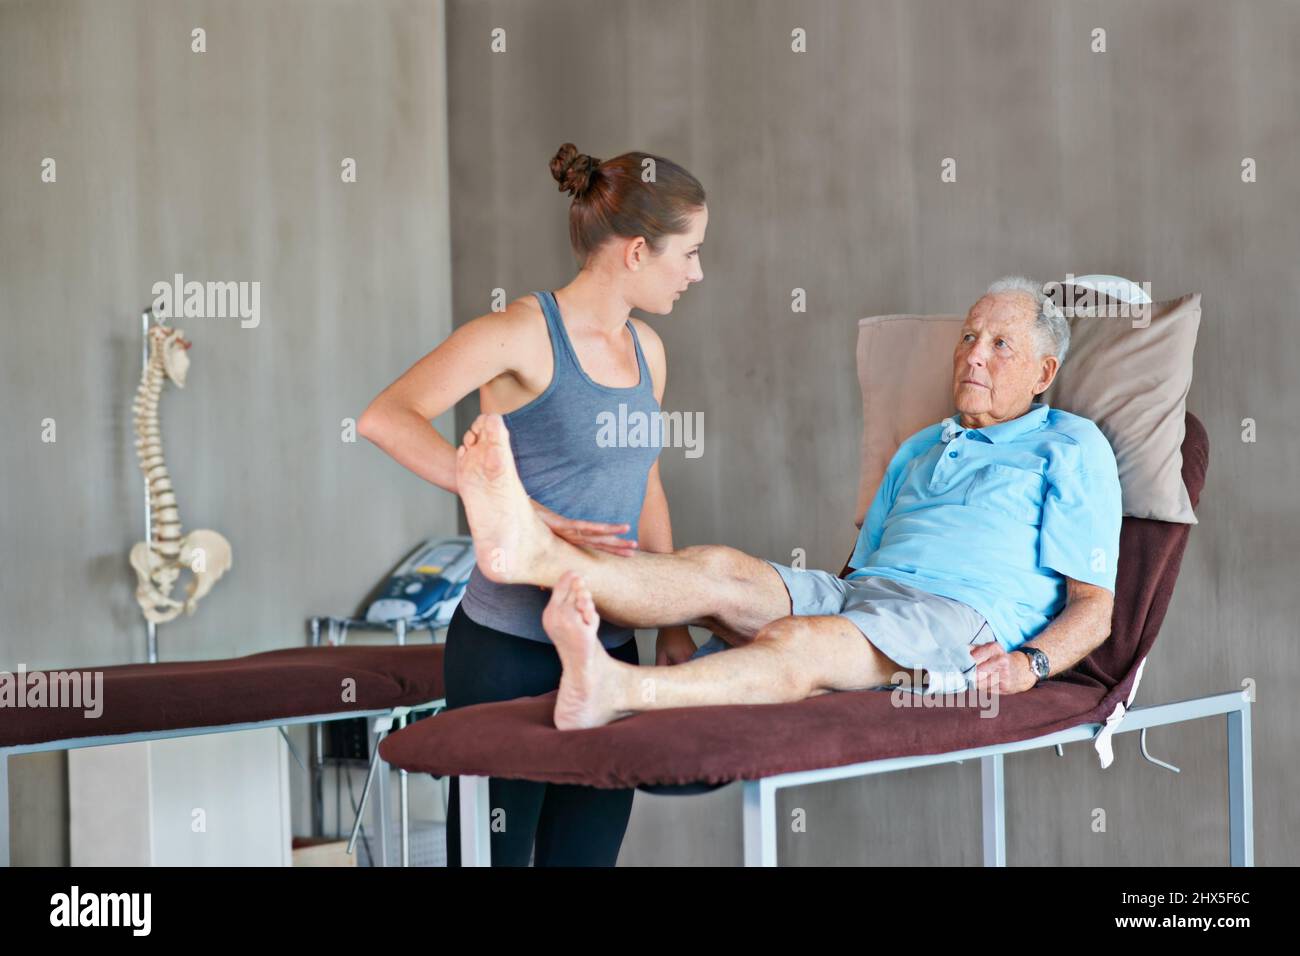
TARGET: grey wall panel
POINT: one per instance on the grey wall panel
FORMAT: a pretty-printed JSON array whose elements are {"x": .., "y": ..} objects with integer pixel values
[{"x": 223, "y": 165}]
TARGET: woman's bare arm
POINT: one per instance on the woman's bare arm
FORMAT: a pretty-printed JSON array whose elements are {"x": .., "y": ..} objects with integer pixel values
[
  {"x": 398, "y": 420},
  {"x": 507, "y": 356}
]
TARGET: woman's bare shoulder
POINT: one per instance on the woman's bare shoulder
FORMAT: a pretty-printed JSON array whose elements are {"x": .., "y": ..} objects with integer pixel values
[
  {"x": 653, "y": 347},
  {"x": 520, "y": 323},
  {"x": 648, "y": 337}
]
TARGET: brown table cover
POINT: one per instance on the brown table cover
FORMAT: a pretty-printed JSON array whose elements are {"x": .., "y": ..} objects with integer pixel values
[{"x": 293, "y": 682}]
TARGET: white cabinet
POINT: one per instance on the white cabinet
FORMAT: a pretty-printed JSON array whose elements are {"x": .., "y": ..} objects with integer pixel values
[{"x": 208, "y": 800}]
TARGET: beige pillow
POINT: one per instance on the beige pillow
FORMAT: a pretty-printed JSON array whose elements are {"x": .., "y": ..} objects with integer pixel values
[
  {"x": 1132, "y": 378},
  {"x": 1132, "y": 382},
  {"x": 905, "y": 370}
]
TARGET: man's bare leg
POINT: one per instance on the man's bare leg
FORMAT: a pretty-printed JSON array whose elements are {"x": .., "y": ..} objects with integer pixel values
[
  {"x": 790, "y": 659},
  {"x": 707, "y": 585}
]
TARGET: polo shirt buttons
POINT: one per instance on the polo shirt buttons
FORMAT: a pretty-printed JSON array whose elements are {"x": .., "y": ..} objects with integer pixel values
[{"x": 952, "y": 454}]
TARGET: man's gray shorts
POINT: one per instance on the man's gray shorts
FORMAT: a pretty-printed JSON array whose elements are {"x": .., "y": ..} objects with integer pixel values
[{"x": 915, "y": 628}]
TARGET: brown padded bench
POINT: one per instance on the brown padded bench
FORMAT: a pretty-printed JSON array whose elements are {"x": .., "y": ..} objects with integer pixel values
[
  {"x": 274, "y": 685},
  {"x": 186, "y": 698},
  {"x": 717, "y": 744}
]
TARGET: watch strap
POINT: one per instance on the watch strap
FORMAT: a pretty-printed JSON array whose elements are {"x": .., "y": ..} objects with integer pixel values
[{"x": 1032, "y": 653}]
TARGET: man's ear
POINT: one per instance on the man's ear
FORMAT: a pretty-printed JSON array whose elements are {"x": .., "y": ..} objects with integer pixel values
[{"x": 1050, "y": 366}]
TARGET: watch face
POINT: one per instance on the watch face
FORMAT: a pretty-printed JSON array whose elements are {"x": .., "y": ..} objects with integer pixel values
[{"x": 1041, "y": 667}]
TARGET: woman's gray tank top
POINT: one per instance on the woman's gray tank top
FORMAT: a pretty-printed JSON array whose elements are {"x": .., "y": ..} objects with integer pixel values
[{"x": 584, "y": 450}]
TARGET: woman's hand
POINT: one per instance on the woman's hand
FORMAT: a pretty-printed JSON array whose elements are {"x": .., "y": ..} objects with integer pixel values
[
  {"x": 587, "y": 534},
  {"x": 674, "y": 645}
]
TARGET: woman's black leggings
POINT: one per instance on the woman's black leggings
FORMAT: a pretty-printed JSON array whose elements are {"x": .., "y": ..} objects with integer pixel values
[{"x": 572, "y": 825}]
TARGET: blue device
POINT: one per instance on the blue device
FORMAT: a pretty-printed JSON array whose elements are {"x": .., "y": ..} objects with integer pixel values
[{"x": 428, "y": 585}]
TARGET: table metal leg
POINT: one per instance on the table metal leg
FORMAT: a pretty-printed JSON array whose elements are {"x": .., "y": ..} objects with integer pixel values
[
  {"x": 4, "y": 809},
  {"x": 992, "y": 781},
  {"x": 404, "y": 801},
  {"x": 1241, "y": 798},
  {"x": 760, "y": 823},
  {"x": 365, "y": 796},
  {"x": 381, "y": 799},
  {"x": 475, "y": 835}
]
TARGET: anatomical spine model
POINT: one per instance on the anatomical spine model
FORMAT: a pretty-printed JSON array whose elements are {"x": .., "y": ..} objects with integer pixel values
[{"x": 158, "y": 563}]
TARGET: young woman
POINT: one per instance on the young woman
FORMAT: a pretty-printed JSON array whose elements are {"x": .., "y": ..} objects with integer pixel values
[{"x": 554, "y": 364}]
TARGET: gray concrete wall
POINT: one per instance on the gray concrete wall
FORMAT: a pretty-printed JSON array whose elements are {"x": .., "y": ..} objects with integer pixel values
[
  {"x": 822, "y": 171},
  {"x": 223, "y": 165}
]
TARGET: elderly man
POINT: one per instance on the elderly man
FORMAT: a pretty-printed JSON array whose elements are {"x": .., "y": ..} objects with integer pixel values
[{"x": 987, "y": 558}]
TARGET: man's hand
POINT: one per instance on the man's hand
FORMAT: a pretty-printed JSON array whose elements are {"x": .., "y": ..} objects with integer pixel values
[
  {"x": 674, "y": 645},
  {"x": 1072, "y": 636},
  {"x": 1002, "y": 672}
]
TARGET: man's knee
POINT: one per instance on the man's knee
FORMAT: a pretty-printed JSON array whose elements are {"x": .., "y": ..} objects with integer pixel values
[
  {"x": 788, "y": 639},
  {"x": 787, "y": 631},
  {"x": 826, "y": 652},
  {"x": 743, "y": 593},
  {"x": 715, "y": 560}
]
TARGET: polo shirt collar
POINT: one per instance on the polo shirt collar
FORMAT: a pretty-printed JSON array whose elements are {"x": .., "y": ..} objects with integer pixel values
[{"x": 1003, "y": 431}]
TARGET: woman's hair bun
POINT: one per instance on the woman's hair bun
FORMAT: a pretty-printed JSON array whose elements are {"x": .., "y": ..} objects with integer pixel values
[{"x": 574, "y": 171}]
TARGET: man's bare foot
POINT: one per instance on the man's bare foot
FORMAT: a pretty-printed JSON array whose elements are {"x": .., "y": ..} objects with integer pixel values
[
  {"x": 587, "y": 684},
  {"x": 509, "y": 537}
]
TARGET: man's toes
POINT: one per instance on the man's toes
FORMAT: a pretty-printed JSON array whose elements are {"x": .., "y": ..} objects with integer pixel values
[
  {"x": 494, "y": 429},
  {"x": 561, "y": 593},
  {"x": 582, "y": 601}
]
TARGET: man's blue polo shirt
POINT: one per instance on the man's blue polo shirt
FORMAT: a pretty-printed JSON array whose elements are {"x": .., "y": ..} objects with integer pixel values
[{"x": 998, "y": 517}]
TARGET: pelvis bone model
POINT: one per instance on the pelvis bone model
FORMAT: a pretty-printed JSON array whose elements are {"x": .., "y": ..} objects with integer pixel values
[{"x": 158, "y": 563}]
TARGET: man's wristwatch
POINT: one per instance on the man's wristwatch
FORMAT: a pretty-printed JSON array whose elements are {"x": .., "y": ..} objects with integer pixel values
[{"x": 1038, "y": 662}]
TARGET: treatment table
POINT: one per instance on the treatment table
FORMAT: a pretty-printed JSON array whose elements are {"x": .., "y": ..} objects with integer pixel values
[
  {"x": 299, "y": 685},
  {"x": 850, "y": 734}
]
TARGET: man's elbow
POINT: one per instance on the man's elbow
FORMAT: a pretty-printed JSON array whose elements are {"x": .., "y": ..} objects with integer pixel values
[{"x": 1103, "y": 605}]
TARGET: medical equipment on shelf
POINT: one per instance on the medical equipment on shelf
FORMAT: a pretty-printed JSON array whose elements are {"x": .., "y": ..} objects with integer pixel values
[{"x": 428, "y": 585}]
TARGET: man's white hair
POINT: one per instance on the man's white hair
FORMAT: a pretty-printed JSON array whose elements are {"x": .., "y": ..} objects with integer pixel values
[{"x": 1051, "y": 328}]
